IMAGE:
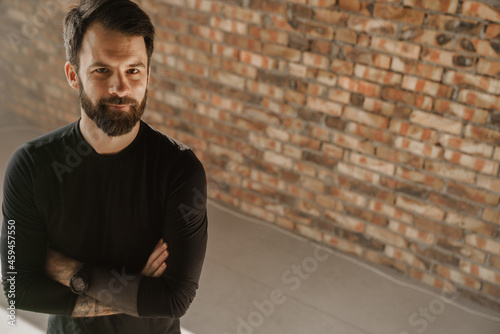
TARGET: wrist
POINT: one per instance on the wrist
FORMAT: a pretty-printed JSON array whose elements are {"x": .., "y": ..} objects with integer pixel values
[{"x": 79, "y": 283}]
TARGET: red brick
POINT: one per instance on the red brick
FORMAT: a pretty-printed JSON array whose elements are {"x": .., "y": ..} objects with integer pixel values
[
  {"x": 478, "y": 164},
  {"x": 207, "y": 32},
  {"x": 319, "y": 31},
  {"x": 331, "y": 17},
  {"x": 244, "y": 43},
  {"x": 340, "y": 96},
  {"x": 379, "y": 76},
  {"x": 358, "y": 173},
  {"x": 436, "y": 122},
  {"x": 402, "y": 14},
  {"x": 482, "y": 134},
  {"x": 385, "y": 236},
  {"x": 480, "y": 10},
  {"x": 353, "y": 143},
  {"x": 366, "y": 57},
  {"x": 479, "y": 46},
  {"x": 345, "y": 35},
  {"x": 483, "y": 243},
  {"x": 426, "y": 87},
  {"x": 488, "y": 85},
  {"x": 322, "y": 3},
  {"x": 402, "y": 49},
  {"x": 433, "y": 38},
  {"x": 459, "y": 248},
  {"x": 466, "y": 146},
  {"x": 375, "y": 257},
  {"x": 260, "y": 88},
  {"x": 236, "y": 12},
  {"x": 361, "y": 116},
  {"x": 324, "y": 106},
  {"x": 419, "y": 207},
  {"x": 377, "y": 165},
  {"x": 450, "y": 172},
  {"x": 490, "y": 183},
  {"x": 400, "y": 157},
  {"x": 276, "y": 50},
  {"x": 411, "y": 232},
  {"x": 418, "y": 177},
  {"x": 343, "y": 245},
  {"x": 437, "y": 228},
  {"x": 229, "y": 25},
  {"x": 240, "y": 69},
  {"x": 412, "y": 67},
  {"x": 414, "y": 131},
  {"x": 257, "y": 60},
  {"x": 404, "y": 256},
  {"x": 449, "y": 6},
  {"x": 369, "y": 133},
  {"x": 274, "y": 36},
  {"x": 359, "y": 86},
  {"x": 427, "y": 278},
  {"x": 386, "y": 108},
  {"x": 227, "y": 78},
  {"x": 447, "y": 58},
  {"x": 458, "y": 277},
  {"x": 454, "y": 24},
  {"x": 488, "y": 67},
  {"x": 342, "y": 67},
  {"x": 464, "y": 112},
  {"x": 315, "y": 60},
  {"x": 473, "y": 194},
  {"x": 373, "y": 26},
  {"x": 327, "y": 78},
  {"x": 419, "y": 101},
  {"x": 419, "y": 148},
  {"x": 349, "y": 5},
  {"x": 268, "y": 6},
  {"x": 481, "y": 100},
  {"x": 491, "y": 215}
]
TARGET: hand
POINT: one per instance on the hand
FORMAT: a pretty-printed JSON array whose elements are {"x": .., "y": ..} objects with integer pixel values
[
  {"x": 156, "y": 265},
  {"x": 60, "y": 267}
]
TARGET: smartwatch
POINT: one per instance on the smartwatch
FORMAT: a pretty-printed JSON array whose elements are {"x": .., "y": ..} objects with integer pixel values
[{"x": 80, "y": 282}]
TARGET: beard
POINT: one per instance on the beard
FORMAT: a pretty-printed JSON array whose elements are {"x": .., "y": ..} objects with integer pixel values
[{"x": 113, "y": 122}]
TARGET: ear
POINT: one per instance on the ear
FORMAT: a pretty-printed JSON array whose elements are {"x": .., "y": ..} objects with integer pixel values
[{"x": 71, "y": 75}]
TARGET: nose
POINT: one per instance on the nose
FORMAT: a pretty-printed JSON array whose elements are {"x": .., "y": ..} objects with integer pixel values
[{"x": 119, "y": 85}]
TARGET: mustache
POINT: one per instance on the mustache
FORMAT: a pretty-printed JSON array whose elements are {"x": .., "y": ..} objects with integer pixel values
[{"x": 118, "y": 101}]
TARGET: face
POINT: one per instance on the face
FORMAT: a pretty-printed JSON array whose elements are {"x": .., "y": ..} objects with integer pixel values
[{"x": 112, "y": 79}]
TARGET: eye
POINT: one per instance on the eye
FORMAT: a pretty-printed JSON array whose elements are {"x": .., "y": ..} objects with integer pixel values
[
  {"x": 133, "y": 71},
  {"x": 101, "y": 70}
]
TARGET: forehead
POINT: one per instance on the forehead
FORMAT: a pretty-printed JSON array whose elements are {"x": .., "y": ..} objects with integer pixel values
[{"x": 100, "y": 44}]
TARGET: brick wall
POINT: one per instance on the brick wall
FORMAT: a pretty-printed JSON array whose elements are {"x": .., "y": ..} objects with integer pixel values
[{"x": 369, "y": 126}]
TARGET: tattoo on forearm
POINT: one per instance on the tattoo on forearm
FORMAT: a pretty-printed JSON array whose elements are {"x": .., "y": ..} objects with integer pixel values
[{"x": 89, "y": 307}]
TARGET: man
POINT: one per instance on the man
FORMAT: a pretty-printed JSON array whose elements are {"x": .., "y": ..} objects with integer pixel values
[{"x": 88, "y": 202}]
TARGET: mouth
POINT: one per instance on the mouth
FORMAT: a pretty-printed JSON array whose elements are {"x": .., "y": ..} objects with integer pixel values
[{"x": 120, "y": 107}]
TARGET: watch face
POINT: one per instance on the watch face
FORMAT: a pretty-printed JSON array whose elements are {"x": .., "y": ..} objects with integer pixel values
[{"x": 78, "y": 284}]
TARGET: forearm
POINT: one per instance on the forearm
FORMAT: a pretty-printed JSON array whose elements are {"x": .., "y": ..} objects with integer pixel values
[
  {"x": 118, "y": 290},
  {"x": 87, "y": 306}
]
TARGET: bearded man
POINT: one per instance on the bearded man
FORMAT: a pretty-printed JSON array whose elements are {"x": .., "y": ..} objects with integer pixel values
[{"x": 90, "y": 208}]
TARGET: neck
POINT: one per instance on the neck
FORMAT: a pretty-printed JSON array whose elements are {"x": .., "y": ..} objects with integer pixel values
[{"x": 100, "y": 141}]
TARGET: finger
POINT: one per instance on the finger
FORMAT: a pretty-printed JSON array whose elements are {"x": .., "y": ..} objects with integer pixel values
[
  {"x": 160, "y": 270},
  {"x": 156, "y": 254},
  {"x": 158, "y": 262}
]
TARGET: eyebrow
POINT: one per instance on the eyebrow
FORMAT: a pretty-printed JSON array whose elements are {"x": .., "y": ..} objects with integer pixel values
[{"x": 100, "y": 64}]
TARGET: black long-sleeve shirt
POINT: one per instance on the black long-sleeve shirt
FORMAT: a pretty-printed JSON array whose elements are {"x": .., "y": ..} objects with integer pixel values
[{"x": 108, "y": 211}]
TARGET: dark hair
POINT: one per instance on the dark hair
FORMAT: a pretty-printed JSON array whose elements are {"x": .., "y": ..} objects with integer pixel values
[{"x": 123, "y": 16}]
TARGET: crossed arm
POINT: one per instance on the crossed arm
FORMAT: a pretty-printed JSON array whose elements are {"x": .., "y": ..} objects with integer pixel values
[{"x": 61, "y": 268}]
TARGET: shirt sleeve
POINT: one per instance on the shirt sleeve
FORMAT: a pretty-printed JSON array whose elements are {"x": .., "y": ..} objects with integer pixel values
[
  {"x": 185, "y": 231},
  {"x": 23, "y": 251}
]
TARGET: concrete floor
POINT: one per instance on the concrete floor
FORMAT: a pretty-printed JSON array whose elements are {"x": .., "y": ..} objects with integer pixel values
[{"x": 259, "y": 279}]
